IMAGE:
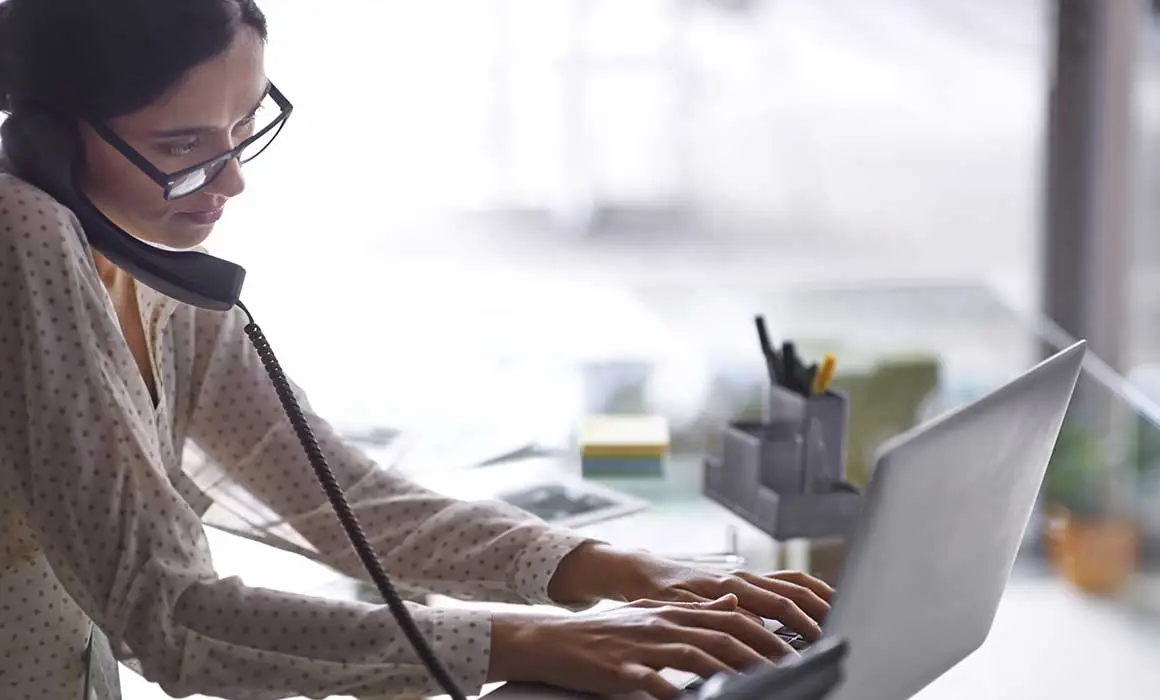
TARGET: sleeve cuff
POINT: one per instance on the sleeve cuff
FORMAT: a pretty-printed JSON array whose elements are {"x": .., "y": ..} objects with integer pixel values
[
  {"x": 538, "y": 563},
  {"x": 461, "y": 640}
]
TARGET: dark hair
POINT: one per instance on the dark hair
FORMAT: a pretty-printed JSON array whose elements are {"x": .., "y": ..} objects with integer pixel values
[
  {"x": 5, "y": 59},
  {"x": 97, "y": 59}
]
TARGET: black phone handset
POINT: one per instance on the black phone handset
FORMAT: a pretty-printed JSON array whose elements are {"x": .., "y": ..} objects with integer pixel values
[{"x": 45, "y": 153}]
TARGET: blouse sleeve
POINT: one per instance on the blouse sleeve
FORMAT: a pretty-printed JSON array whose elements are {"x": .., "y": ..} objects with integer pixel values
[
  {"x": 485, "y": 550},
  {"x": 79, "y": 451}
]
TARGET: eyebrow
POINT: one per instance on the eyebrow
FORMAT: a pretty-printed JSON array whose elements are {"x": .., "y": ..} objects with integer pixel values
[{"x": 199, "y": 130}]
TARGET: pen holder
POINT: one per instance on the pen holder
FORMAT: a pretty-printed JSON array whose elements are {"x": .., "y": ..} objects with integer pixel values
[
  {"x": 785, "y": 474},
  {"x": 821, "y": 422}
]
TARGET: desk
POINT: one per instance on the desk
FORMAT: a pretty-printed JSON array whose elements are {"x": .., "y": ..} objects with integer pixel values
[{"x": 1048, "y": 643}]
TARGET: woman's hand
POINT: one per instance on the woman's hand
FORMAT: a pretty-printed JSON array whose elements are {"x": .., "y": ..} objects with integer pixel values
[
  {"x": 796, "y": 599},
  {"x": 793, "y": 598},
  {"x": 621, "y": 650}
]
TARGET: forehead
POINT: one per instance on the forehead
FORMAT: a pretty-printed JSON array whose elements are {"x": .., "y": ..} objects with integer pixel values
[{"x": 216, "y": 93}]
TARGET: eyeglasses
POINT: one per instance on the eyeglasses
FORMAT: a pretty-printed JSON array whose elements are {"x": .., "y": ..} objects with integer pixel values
[{"x": 189, "y": 180}]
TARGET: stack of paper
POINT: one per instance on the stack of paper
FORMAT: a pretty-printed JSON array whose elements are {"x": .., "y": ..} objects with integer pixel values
[{"x": 624, "y": 445}]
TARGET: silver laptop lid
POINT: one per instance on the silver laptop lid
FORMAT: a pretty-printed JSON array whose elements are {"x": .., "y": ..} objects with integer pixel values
[{"x": 945, "y": 512}]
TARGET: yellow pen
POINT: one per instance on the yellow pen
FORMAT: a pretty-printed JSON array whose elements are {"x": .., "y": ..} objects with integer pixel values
[{"x": 825, "y": 374}]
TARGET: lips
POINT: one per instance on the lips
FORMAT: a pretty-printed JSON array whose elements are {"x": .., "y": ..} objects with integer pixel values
[{"x": 205, "y": 217}]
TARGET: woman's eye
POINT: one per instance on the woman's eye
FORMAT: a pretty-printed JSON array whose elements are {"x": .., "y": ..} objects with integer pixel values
[
  {"x": 247, "y": 125},
  {"x": 177, "y": 150}
]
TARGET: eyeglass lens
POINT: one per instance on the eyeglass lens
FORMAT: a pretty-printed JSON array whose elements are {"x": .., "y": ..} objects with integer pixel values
[{"x": 267, "y": 113}]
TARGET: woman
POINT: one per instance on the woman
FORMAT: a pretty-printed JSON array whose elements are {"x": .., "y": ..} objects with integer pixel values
[{"x": 105, "y": 380}]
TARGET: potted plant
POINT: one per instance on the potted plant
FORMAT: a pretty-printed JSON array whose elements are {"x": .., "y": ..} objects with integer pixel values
[{"x": 1092, "y": 541}]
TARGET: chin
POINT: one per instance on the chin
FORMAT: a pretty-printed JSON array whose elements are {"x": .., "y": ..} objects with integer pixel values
[{"x": 182, "y": 235}]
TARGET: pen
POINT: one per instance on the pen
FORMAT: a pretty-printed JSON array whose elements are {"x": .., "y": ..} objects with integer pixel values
[
  {"x": 776, "y": 373},
  {"x": 792, "y": 367},
  {"x": 825, "y": 374}
]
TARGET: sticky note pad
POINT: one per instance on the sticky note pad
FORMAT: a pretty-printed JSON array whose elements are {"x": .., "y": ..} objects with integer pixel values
[{"x": 626, "y": 445}]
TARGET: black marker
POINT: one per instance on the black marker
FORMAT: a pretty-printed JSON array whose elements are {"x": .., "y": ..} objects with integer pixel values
[
  {"x": 776, "y": 373},
  {"x": 793, "y": 369}
]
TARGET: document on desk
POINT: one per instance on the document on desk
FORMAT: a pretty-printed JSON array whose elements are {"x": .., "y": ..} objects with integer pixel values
[
  {"x": 540, "y": 485},
  {"x": 431, "y": 450}
]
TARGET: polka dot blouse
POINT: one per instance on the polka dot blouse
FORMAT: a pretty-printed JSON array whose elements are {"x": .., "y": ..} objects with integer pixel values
[{"x": 102, "y": 506}]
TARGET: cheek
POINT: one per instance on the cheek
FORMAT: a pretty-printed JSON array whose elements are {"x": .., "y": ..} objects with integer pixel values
[{"x": 120, "y": 189}]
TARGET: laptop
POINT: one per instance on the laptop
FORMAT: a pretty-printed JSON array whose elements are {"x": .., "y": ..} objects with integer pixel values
[{"x": 944, "y": 514}]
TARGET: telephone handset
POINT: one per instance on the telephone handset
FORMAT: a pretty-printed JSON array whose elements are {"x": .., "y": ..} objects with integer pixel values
[{"x": 45, "y": 153}]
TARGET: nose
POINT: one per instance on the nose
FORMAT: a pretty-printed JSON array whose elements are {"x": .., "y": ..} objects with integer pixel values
[{"x": 229, "y": 181}]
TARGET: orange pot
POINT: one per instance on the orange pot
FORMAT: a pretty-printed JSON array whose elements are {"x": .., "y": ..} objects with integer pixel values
[{"x": 1097, "y": 556}]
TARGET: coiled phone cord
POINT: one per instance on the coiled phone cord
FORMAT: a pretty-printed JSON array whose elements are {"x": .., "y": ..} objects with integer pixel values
[{"x": 346, "y": 516}]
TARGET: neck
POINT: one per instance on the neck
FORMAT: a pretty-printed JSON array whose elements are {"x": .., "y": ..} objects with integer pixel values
[{"x": 116, "y": 280}]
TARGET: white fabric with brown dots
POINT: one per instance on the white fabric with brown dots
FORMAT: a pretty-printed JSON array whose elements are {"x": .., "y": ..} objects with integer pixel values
[{"x": 100, "y": 520}]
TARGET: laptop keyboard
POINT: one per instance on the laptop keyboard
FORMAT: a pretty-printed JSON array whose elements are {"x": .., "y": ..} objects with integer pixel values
[{"x": 795, "y": 640}]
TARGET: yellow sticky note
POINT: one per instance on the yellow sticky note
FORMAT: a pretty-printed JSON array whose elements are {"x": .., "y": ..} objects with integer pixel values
[{"x": 624, "y": 435}]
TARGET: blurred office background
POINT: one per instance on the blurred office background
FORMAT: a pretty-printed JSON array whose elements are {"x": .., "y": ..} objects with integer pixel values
[
  {"x": 491, "y": 217},
  {"x": 464, "y": 182},
  {"x": 511, "y": 210}
]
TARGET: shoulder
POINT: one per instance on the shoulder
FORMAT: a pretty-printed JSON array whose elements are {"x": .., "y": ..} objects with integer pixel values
[
  {"x": 45, "y": 261},
  {"x": 31, "y": 219}
]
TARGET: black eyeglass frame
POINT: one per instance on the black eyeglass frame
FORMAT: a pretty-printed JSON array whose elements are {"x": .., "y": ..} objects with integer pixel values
[{"x": 215, "y": 165}]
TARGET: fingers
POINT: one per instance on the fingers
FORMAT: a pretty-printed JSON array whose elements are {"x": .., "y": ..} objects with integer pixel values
[
  {"x": 781, "y": 601},
  {"x": 725, "y": 602},
  {"x": 639, "y": 677},
  {"x": 805, "y": 599},
  {"x": 736, "y": 626},
  {"x": 696, "y": 659},
  {"x": 622, "y": 650},
  {"x": 689, "y": 600},
  {"x": 822, "y": 589}
]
